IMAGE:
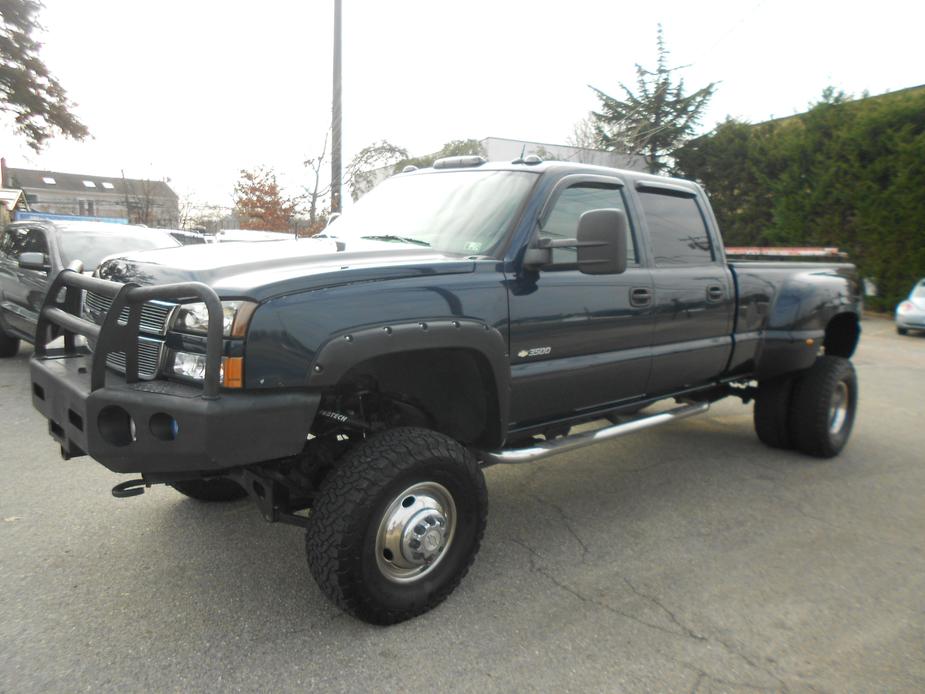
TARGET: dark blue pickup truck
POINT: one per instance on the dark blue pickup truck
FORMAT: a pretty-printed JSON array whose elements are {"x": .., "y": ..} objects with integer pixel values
[{"x": 455, "y": 317}]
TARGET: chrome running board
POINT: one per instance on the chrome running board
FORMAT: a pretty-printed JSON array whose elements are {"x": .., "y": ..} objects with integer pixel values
[{"x": 545, "y": 449}]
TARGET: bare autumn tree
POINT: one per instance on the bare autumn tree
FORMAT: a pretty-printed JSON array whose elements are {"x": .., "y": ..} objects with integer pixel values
[
  {"x": 140, "y": 201},
  {"x": 584, "y": 137},
  {"x": 259, "y": 203},
  {"x": 315, "y": 192},
  {"x": 29, "y": 93},
  {"x": 361, "y": 176}
]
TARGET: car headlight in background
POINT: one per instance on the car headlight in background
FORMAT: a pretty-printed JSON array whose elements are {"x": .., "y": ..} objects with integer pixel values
[{"x": 194, "y": 318}]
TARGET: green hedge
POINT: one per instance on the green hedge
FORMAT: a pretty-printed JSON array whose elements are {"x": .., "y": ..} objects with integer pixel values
[{"x": 846, "y": 173}]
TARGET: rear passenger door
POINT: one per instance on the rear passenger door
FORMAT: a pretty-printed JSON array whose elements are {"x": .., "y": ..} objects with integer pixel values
[{"x": 694, "y": 295}]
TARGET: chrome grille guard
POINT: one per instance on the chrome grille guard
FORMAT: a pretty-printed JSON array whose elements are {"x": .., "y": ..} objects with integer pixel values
[{"x": 114, "y": 335}]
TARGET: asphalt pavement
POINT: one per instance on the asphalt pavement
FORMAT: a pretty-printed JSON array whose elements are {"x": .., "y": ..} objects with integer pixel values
[{"x": 687, "y": 558}]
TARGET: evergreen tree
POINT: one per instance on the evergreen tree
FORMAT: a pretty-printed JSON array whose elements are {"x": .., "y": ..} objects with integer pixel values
[
  {"x": 656, "y": 119},
  {"x": 845, "y": 173},
  {"x": 29, "y": 93}
]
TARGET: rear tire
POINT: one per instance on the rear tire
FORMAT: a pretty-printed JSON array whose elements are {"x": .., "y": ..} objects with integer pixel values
[
  {"x": 397, "y": 524},
  {"x": 772, "y": 412},
  {"x": 823, "y": 407},
  {"x": 9, "y": 346},
  {"x": 217, "y": 489},
  {"x": 902, "y": 331}
]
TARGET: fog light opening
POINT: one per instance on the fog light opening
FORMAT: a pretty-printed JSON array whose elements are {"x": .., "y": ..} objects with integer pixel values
[
  {"x": 163, "y": 426},
  {"x": 116, "y": 426}
]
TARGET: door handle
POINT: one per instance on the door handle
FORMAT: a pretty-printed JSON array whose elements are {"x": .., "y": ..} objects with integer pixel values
[
  {"x": 640, "y": 296},
  {"x": 715, "y": 293}
]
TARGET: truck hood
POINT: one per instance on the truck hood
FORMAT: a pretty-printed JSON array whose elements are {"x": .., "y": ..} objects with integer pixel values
[{"x": 260, "y": 271}]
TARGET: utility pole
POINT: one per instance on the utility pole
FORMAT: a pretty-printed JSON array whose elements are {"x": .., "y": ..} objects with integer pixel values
[{"x": 336, "y": 116}]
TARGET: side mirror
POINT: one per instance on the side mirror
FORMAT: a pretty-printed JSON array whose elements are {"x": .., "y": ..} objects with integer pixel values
[
  {"x": 601, "y": 243},
  {"x": 34, "y": 261}
]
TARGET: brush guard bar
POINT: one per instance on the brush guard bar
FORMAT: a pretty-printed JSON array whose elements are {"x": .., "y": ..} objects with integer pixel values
[
  {"x": 163, "y": 429},
  {"x": 116, "y": 336}
]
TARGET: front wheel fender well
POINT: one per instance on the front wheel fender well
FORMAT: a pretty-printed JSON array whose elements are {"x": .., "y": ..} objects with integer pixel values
[{"x": 454, "y": 341}]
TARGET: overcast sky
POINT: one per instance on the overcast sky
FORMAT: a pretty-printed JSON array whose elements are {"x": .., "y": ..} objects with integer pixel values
[{"x": 195, "y": 90}]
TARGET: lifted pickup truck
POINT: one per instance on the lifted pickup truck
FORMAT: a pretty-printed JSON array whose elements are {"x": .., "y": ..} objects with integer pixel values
[{"x": 453, "y": 318}]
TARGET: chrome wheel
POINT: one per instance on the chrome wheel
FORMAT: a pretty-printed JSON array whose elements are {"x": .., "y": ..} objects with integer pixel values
[
  {"x": 415, "y": 532},
  {"x": 838, "y": 408}
]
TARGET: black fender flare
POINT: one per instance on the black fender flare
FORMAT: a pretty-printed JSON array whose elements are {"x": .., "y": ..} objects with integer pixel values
[{"x": 350, "y": 347}]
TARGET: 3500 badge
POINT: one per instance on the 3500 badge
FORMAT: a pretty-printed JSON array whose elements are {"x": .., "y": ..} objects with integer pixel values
[{"x": 535, "y": 352}]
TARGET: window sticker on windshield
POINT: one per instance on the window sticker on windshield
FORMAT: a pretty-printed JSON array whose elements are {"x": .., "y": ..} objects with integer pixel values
[{"x": 474, "y": 246}]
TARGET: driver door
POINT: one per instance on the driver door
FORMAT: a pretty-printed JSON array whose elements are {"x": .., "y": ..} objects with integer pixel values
[{"x": 579, "y": 342}]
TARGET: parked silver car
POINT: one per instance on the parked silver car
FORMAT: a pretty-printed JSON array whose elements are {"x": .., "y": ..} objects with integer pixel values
[{"x": 910, "y": 314}]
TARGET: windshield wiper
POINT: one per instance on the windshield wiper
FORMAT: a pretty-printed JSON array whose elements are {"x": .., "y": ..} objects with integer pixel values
[{"x": 400, "y": 239}]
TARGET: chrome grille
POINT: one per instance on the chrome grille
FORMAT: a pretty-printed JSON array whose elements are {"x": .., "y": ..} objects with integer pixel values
[
  {"x": 150, "y": 354},
  {"x": 155, "y": 315}
]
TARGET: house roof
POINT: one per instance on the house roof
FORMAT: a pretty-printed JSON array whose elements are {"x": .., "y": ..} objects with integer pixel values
[
  {"x": 69, "y": 182},
  {"x": 9, "y": 197}
]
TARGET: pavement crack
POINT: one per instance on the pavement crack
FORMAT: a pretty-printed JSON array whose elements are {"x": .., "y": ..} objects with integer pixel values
[
  {"x": 671, "y": 615},
  {"x": 733, "y": 650},
  {"x": 536, "y": 568},
  {"x": 703, "y": 676},
  {"x": 567, "y": 522}
]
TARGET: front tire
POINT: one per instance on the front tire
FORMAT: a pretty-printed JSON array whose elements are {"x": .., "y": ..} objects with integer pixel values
[
  {"x": 823, "y": 407},
  {"x": 9, "y": 346},
  {"x": 217, "y": 489},
  {"x": 397, "y": 524},
  {"x": 902, "y": 331}
]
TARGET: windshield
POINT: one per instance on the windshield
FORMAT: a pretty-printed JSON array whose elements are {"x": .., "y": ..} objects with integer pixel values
[
  {"x": 92, "y": 248},
  {"x": 466, "y": 212}
]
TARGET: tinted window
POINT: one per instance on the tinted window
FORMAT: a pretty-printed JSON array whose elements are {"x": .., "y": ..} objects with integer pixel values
[
  {"x": 19, "y": 241},
  {"x": 573, "y": 202},
  {"x": 676, "y": 230}
]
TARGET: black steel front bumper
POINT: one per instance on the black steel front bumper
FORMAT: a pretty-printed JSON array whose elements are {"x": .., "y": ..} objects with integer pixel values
[{"x": 154, "y": 427}]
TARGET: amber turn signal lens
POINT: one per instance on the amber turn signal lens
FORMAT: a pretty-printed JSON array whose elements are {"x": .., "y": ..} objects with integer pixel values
[
  {"x": 242, "y": 318},
  {"x": 233, "y": 372}
]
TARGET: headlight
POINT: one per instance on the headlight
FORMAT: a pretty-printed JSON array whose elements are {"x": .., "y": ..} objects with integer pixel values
[
  {"x": 188, "y": 365},
  {"x": 192, "y": 366},
  {"x": 194, "y": 318}
]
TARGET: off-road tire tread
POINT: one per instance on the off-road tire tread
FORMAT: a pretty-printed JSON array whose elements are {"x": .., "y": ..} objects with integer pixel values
[
  {"x": 210, "y": 490},
  {"x": 333, "y": 533},
  {"x": 809, "y": 412},
  {"x": 772, "y": 412}
]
